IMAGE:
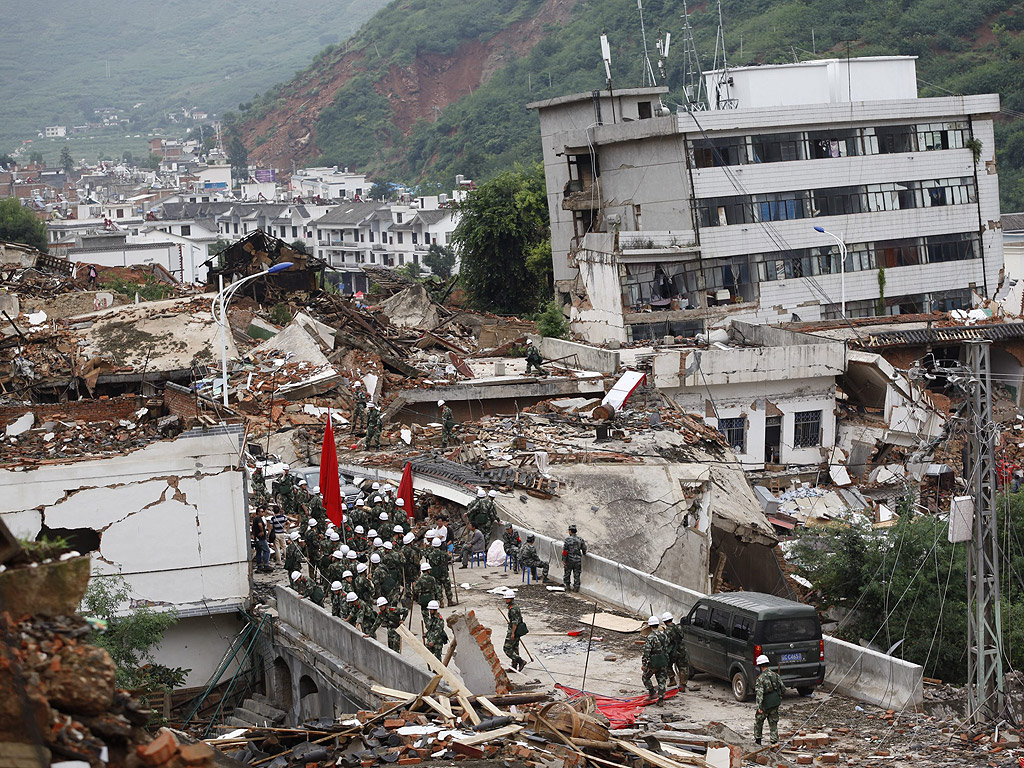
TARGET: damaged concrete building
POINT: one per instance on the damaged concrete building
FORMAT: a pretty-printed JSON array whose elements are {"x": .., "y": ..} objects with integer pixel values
[{"x": 667, "y": 224}]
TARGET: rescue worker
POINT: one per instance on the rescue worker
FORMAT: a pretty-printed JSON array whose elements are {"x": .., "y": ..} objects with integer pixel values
[
  {"x": 434, "y": 636},
  {"x": 359, "y": 410},
  {"x": 447, "y": 423},
  {"x": 390, "y": 617},
  {"x": 337, "y": 598},
  {"x": 374, "y": 423},
  {"x": 355, "y": 612},
  {"x": 426, "y": 587},
  {"x": 511, "y": 541},
  {"x": 259, "y": 488},
  {"x": 440, "y": 567},
  {"x": 516, "y": 629},
  {"x": 768, "y": 690},
  {"x": 678, "y": 659},
  {"x": 284, "y": 489},
  {"x": 293, "y": 554},
  {"x": 533, "y": 358},
  {"x": 654, "y": 661},
  {"x": 363, "y": 586},
  {"x": 528, "y": 558},
  {"x": 312, "y": 546},
  {"x": 573, "y": 550}
]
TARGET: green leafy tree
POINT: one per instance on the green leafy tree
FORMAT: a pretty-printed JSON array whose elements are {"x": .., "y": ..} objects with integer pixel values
[
  {"x": 411, "y": 270},
  {"x": 36, "y": 157},
  {"x": 551, "y": 321},
  {"x": 500, "y": 222},
  {"x": 130, "y": 635},
  {"x": 67, "y": 163},
  {"x": 153, "y": 161},
  {"x": 440, "y": 259},
  {"x": 19, "y": 225},
  {"x": 299, "y": 246},
  {"x": 6, "y": 161},
  {"x": 381, "y": 190}
]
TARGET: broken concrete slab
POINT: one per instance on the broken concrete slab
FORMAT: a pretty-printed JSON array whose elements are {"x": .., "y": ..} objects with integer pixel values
[{"x": 412, "y": 308}]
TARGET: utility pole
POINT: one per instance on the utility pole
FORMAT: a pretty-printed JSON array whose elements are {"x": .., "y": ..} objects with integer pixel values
[{"x": 984, "y": 621}]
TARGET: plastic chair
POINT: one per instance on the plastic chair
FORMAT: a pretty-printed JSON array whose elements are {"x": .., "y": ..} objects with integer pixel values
[
  {"x": 527, "y": 572},
  {"x": 477, "y": 558}
]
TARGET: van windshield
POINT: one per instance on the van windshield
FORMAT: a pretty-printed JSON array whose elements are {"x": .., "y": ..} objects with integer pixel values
[{"x": 790, "y": 630}]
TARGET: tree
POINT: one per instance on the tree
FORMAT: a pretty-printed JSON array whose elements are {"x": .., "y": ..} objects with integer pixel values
[
  {"x": 19, "y": 225},
  {"x": 6, "y": 162},
  {"x": 411, "y": 270},
  {"x": 551, "y": 321},
  {"x": 130, "y": 637},
  {"x": 440, "y": 259},
  {"x": 66, "y": 161},
  {"x": 299, "y": 246},
  {"x": 381, "y": 190},
  {"x": 36, "y": 157},
  {"x": 500, "y": 222}
]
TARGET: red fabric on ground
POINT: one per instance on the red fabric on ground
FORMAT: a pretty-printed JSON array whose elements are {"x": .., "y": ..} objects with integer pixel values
[{"x": 621, "y": 713}]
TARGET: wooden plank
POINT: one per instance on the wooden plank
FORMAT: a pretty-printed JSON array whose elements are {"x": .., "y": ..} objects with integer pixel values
[
  {"x": 435, "y": 665},
  {"x": 391, "y": 693},
  {"x": 486, "y": 703},
  {"x": 654, "y": 758},
  {"x": 613, "y": 623},
  {"x": 440, "y": 705},
  {"x": 483, "y": 738}
]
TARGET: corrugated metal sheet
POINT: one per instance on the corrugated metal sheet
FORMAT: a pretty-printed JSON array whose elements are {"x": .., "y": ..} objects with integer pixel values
[{"x": 949, "y": 335}]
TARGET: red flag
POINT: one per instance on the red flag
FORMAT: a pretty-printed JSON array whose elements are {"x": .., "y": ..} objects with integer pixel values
[
  {"x": 330, "y": 488},
  {"x": 405, "y": 491}
]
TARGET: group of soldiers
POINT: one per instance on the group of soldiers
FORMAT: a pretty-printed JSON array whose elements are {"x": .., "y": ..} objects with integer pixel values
[{"x": 664, "y": 657}]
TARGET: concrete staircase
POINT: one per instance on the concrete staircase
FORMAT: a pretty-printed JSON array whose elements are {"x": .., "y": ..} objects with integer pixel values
[{"x": 256, "y": 711}]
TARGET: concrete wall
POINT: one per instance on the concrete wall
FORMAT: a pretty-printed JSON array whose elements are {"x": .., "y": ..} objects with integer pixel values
[
  {"x": 198, "y": 643},
  {"x": 371, "y": 658},
  {"x": 590, "y": 358},
  {"x": 872, "y": 676}
]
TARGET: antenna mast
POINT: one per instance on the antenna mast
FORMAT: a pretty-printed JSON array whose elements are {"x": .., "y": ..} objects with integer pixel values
[
  {"x": 723, "y": 82},
  {"x": 648, "y": 77},
  {"x": 693, "y": 77}
]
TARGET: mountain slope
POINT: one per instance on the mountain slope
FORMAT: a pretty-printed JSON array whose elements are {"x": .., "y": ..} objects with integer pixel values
[
  {"x": 53, "y": 60},
  {"x": 431, "y": 88}
]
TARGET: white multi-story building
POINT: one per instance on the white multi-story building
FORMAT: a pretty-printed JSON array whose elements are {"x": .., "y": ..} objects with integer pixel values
[
  {"x": 329, "y": 184},
  {"x": 663, "y": 224}
]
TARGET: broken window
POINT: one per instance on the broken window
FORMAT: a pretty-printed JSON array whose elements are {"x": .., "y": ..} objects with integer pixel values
[
  {"x": 735, "y": 431},
  {"x": 807, "y": 429}
]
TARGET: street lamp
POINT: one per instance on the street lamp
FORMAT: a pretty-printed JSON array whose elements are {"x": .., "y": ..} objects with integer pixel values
[
  {"x": 223, "y": 297},
  {"x": 842, "y": 268}
]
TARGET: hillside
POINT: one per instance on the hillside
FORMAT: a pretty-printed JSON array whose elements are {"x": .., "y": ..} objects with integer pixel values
[
  {"x": 431, "y": 88},
  {"x": 213, "y": 55}
]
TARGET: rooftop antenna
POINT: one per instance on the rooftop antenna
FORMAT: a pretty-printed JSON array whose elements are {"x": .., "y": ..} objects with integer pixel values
[
  {"x": 648, "y": 77},
  {"x": 606, "y": 56},
  {"x": 662, "y": 46},
  {"x": 723, "y": 80},
  {"x": 693, "y": 77}
]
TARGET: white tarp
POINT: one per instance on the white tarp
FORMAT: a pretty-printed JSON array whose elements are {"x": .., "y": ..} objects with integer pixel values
[{"x": 624, "y": 387}]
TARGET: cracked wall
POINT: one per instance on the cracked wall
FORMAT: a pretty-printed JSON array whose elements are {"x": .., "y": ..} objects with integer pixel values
[{"x": 171, "y": 517}]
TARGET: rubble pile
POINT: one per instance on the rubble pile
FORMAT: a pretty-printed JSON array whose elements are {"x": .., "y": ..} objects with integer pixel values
[{"x": 59, "y": 692}]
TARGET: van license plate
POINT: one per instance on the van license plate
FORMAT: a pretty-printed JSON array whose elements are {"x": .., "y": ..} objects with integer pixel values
[{"x": 788, "y": 658}]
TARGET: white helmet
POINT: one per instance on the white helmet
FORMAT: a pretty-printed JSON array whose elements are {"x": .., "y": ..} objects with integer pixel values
[
  {"x": 338, "y": 554},
  {"x": 382, "y": 516},
  {"x": 352, "y": 554},
  {"x": 336, "y": 586},
  {"x": 333, "y": 536},
  {"x": 493, "y": 494},
  {"x": 316, "y": 489},
  {"x": 762, "y": 660},
  {"x": 436, "y": 543},
  {"x": 376, "y": 486},
  {"x": 666, "y": 616},
  {"x": 361, "y": 502},
  {"x": 303, "y": 482},
  {"x": 294, "y": 535},
  {"x": 382, "y": 601},
  {"x": 654, "y": 621},
  {"x": 388, "y": 545},
  {"x": 377, "y": 499},
  {"x": 480, "y": 493},
  {"x": 508, "y": 594},
  {"x": 409, "y": 538},
  {"x": 424, "y": 566},
  {"x": 388, "y": 488},
  {"x": 375, "y": 558},
  {"x": 357, "y": 384},
  {"x": 311, "y": 522},
  {"x": 433, "y": 605},
  {"x": 344, "y": 508},
  {"x": 399, "y": 529},
  {"x": 372, "y": 533},
  {"x": 347, "y": 575},
  {"x": 529, "y": 341},
  {"x": 360, "y": 530},
  {"x": 296, "y": 575},
  {"x": 399, "y": 502},
  {"x": 361, "y": 568},
  {"x": 440, "y": 403},
  {"x": 351, "y": 597},
  {"x": 378, "y": 541},
  {"x": 345, "y": 549}
]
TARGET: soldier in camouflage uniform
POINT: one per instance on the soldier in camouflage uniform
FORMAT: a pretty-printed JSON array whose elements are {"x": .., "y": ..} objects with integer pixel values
[
  {"x": 533, "y": 358},
  {"x": 426, "y": 588},
  {"x": 359, "y": 411},
  {"x": 312, "y": 538},
  {"x": 284, "y": 489},
  {"x": 374, "y": 424},
  {"x": 573, "y": 550},
  {"x": 293, "y": 554},
  {"x": 259, "y": 488},
  {"x": 362, "y": 585},
  {"x": 357, "y": 613},
  {"x": 390, "y": 618},
  {"x": 434, "y": 636},
  {"x": 440, "y": 567},
  {"x": 516, "y": 629},
  {"x": 511, "y": 541},
  {"x": 654, "y": 662},
  {"x": 337, "y": 598},
  {"x": 528, "y": 558},
  {"x": 678, "y": 659},
  {"x": 447, "y": 423},
  {"x": 768, "y": 690},
  {"x": 310, "y": 590}
]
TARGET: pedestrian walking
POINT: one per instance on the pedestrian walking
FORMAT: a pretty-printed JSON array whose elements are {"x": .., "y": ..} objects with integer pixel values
[
  {"x": 768, "y": 690},
  {"x": 516, "y": 630},
  {"x": 654, "y": 661}
]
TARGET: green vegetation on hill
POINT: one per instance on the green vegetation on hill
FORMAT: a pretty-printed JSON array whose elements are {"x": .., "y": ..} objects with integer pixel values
[
  {"x": 53, "y": 59},
  {"x": 971, "y": 46}
]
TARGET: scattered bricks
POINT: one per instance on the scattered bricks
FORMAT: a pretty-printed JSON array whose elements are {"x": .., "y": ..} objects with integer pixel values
[
  {"x": 829, "y": 757},
  {"x": 160, "y": 750},
  {"x": 196, "y": 754},
  {"x": 464, "y": 749},
  {"x": 409, "y": 760},
  {"x": 392, "y": 724},
  {"x": 83, "y": 683},
  {"x": 882, "y": 752},
  {"x": 804, "y": 759}
]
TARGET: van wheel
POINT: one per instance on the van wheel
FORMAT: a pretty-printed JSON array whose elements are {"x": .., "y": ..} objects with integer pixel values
[
  {"x": 740, "y": 689},
  {"x": 691, "y": 671},
  {"x": 805, "y": 690}
]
